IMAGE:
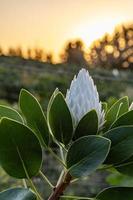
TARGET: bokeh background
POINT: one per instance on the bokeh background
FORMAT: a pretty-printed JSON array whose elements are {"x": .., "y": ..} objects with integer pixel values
[{"x": 44, "y": 43}]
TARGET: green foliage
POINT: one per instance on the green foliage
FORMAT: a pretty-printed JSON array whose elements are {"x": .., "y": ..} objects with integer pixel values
[
  {"x": 60, "y": 120},
  {"x": 126, "y": 167},
  {"x": 121, "y": 144},
  {"x": 115, "y": 178},
  {"x": 10, "y": 113},
  {"x": 34, "y": 115},
  {"x": 17, "y": 194},
  {"x": 88, "y": 125},
  {"x": 86, "y": 154},
  {"x": 20, "y": 151},
  {"x": 104, "y": 106},
  {"x": 7, "y": 181},
  {"x": 125, "y": 119},
  {"x": 23, "y": 137},
  {"x": 117, "y": 193},
  {"x": 116, "y": 110}
]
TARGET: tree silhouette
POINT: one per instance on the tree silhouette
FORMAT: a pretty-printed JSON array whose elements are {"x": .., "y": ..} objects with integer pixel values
[
  {"x": 19, "y": 52},
  {"x": 49, "y": 58},
  {"x": 1, "y": 51},
  {"x": 15, "y": 52},
  {"x": 74, "y": 53},
  {"x": 29, "y": 53},
  {"x": 38, "y": 54},
  {"x": 113, "y": 51},
  {"x": 11, "y": 52}
]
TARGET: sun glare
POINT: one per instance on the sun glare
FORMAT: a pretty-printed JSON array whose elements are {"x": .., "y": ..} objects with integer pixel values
[{"x": 90, "y": 32}]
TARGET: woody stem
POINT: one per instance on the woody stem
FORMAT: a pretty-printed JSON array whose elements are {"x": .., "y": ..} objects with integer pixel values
[{"x": 61, "y": 186}]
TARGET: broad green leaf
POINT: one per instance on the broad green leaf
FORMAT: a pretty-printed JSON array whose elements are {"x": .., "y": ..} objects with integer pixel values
[
  {"x": 116, "y": 193},
  {"x": 126, "y": 167},
  {"x": 6, "y": 111},
  {"x": 17, "y": 194},
  {"x": 121, "y": 144},
  {"x": 126, "y": 119},
  {"x": 88, "y": 125},
  {"x": 86, "y": 154},
  {"x": 124, "y": 106},
  {"x": 60, "y": 120},
  {"x": 116, "y": 110},
  {"x": 52, "y": 98},
  {"x": 34, "y": 115},
  {"x": 20, "y": 150}
]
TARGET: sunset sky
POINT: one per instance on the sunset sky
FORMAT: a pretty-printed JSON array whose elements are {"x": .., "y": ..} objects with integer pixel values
[{"x": 50, "y": 23}]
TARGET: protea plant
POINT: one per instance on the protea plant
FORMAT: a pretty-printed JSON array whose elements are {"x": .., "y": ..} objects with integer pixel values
[
  {"x": 83, "y": 97},
  {"x": 76, "y": 124}
]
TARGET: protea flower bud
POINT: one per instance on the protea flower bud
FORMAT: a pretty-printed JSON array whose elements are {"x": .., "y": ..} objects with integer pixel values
[{"x": 83, "y": 97}]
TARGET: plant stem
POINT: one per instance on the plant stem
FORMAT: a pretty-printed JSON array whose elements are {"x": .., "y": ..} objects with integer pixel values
[
  {"x": 34, "y": 189},
  {"x": 24, "y": 183},
  {"x": 56, "y": 157},
  {"x": 61, "y": 145},
  {"x": 60, "y": 177},
  {"x": 74, "y": 180},
  {"x": 106, "y": 167},
  {"x": 46, "y": 179},
  {"x": 59, "y": 189},
  {"x": 113, "y": 165},
  {"x": 28, "y": 178},
  {"x": 62, "y": 154},
  {"x": 123, "y": 164}
]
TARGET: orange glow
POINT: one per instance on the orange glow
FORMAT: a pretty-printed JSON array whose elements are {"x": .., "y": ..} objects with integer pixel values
[
  {"x": 48, "y": 24},
  {"x": 90, "y": 32}
]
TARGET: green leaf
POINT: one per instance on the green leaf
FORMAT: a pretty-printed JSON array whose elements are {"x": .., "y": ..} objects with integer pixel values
[
  {"x": 121, "y": 144},
  {"x": 86, "y": 154},
  {"x": 17, "y": 194},
  {"x": 126, "y": 167},
  {"x": 116, "y": 193},
  {"x": 6, "y": 111},
  {"x": 52, "y": 98},
  {"x": 126, "y": 119},
  {"x": 60, "y": 120},
  {"x": 116, "y": 110},
  {"x": 104, "y": 106},
  {"x": 124, "y": 106},
  {"x": 34, "y": 115},
  {"x": 20, "y": 150},
  {"x": 88, "y": 125}
]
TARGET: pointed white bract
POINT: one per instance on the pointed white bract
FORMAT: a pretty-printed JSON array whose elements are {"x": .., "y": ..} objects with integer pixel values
[{"x": 82, "y": 97}]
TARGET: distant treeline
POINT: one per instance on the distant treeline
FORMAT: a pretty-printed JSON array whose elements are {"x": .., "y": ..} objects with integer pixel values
[
  {"x": 31, "y": 53},
  {"x": 111, "y": 51}
]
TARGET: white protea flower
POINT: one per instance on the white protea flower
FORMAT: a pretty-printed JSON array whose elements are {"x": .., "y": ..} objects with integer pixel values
[{"x": 82, "y": 97}]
